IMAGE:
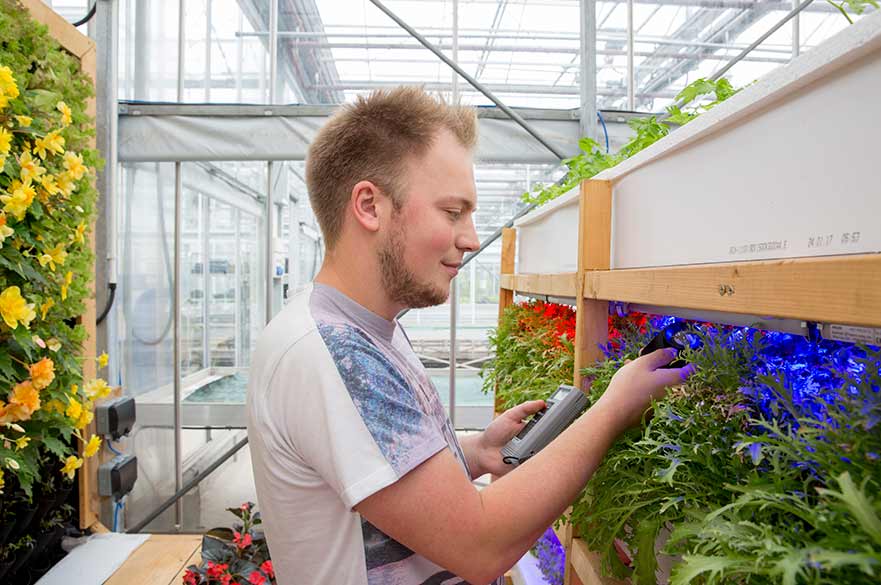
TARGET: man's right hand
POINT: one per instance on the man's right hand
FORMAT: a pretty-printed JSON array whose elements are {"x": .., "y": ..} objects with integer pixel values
[{"x": 637, "y": 383}]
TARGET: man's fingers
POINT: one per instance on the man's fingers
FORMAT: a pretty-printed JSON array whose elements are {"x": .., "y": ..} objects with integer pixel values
[
  {"x": 676, "y": 376},
  {"x": 521, "y": 411},
  {"x": 659, "y": 357}
]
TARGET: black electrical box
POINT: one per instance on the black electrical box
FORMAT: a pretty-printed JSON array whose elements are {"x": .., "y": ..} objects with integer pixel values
[
  {"x": 117, "y": 477},
  {"x": 115, "y": 418}
]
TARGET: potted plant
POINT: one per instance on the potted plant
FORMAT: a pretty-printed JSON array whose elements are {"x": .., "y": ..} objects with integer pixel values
[{"x": 238, "y": 554}]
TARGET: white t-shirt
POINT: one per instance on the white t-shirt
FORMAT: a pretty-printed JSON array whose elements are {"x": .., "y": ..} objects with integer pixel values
[{"x": 339, "y": 407}]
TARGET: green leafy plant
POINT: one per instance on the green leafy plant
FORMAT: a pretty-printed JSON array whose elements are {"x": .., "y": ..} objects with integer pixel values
[
  {"x": 856, "y": 6},
  {"x": 696, "y": 98}
]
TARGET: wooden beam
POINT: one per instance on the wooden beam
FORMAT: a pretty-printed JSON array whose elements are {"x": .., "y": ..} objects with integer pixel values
[
  {"x": 594, "y": 245},
  {"x": 587, "y": 566},
  {"x": 832, "y": 289},
  {"x": 509, "y": 255},
  {"x": 555, "y": 285},
  {"x": 72, "y": 40}
]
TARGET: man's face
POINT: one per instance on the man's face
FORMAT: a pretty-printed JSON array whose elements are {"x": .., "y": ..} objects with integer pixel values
[{"x": 434, "y": 229}]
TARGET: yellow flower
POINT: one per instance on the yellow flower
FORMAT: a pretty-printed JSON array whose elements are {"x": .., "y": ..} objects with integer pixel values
[
  {"x": 5, "y": 141},
  {"x": 22, "y": 442},
  {"x": 92, "y": 446},
  {"x": 5, "y": 230},
  {"x": 79, "y": 235},
  {"x": 65, "y": 183},
  {"x": 7, "y": 82},
  {"x": 50, "y": 185},
  {"x": 54, "y": 344},
  {"x": 25, "y": 396},
  {"x": 103, "y": 359},
  {"x": 54, "y": 405},
  {"x": 44, "y": 308},
  {"x": 97, "y": 388},
  {"x": 53, "y": 255},
  {"x": 74, "y": 408},
  {"x": 30, "y": 167},
  {"x": 42, "y": 373},
  {"x": 85, "y": 418},
  {"x": 20, "y": 200},
  {"x": 68, "y": 278},
  {"x": 71, "y": 464},
  {"x": 14, "y": 308},
  {"x": 74, "y": 165},
  {"x": 52, "y": 142},
  {"x": 2, "y": 481},
  {"x": 65, "y": 113},
  {"x": 24, "y": 121}
]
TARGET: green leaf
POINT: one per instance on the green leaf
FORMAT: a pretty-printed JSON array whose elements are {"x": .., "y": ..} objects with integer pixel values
[
  {"x": 42, "y": 98},
  {"x": 55, "y": 446},
  {"x": 693, "y": 566},
  {"x": 858, "y": 504},
  {"x": 646, "y": 561}
]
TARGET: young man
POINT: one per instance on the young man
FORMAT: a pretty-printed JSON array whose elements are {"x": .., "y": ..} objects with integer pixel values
[{"x": 360, "y": 476}]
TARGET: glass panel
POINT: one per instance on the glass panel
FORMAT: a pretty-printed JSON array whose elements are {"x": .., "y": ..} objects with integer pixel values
[{"x": 148, "y": 35}]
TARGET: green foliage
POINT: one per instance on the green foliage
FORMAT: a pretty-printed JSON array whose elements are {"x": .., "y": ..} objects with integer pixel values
[
  {"x": 856, "y": 6},
  {"x": 531, "y": 357},
  {"x": 592, "y": 160},
  {"x": 44, "y": 75}
]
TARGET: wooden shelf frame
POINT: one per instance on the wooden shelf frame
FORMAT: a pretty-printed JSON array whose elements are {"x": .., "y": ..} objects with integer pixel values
[{"x": 843, "y": 290}]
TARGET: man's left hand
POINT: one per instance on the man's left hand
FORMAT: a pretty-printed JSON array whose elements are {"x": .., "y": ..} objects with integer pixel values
[{"x": 499, "y": 432}]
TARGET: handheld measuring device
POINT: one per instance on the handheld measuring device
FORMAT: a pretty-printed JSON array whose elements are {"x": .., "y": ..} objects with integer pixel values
[
  {"x": 562, "y": 408},
  {"x": 676, "y": 335}
]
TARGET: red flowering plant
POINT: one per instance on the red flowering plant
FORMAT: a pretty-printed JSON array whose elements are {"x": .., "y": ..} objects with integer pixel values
[
  {"x": 236, "y": 555},
  {"x": 535, "y": 350}
]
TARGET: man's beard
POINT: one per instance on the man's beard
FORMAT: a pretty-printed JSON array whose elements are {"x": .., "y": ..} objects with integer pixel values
[{"x": 400, "y": 284}]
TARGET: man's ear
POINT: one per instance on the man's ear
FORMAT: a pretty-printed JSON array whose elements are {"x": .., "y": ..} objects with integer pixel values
[{"x": 367, "y": 203}]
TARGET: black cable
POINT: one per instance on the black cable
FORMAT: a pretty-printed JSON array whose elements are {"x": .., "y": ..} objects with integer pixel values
[
  {"x": 87, "y": 18},
  {"x": 106, "y": 311}
]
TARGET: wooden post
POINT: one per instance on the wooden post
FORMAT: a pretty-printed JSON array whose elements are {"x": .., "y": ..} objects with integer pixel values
[
  {"x": 506, "y": 295},
  {"x": 591, "y": 316}
]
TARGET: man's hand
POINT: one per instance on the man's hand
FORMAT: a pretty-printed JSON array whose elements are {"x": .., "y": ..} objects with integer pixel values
[
  {"x": 502, "y": 429},
  {"x": 636, "y": 384}
]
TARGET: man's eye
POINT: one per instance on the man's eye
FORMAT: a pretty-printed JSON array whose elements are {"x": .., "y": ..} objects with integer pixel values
[{"x": 454, "y": 213}]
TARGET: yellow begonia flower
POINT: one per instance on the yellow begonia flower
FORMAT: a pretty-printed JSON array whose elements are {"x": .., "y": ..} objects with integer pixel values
[
  {"x": 42, "y": 373},
  {"x": 103, "y": 359},
  {"x": 53, "y": 255},
  {"x": 74, "y": 165},
  {"x": 7, "y": 82},
  {"x": 92, "y": 446},
  {"x": 44, "y": 308},
  {"x": 71, "y": 464},
  {"x": 50, "y": 185},
  {"x": 65, "y": 113},
  {"x": 74, "y": 408},
  {"x": 65, "y": 183},
  {"x": 20, "y": 200},
  {"x": 5, "y": 230},
  {"x": 22, "y": 442},
  {"x": 14, "y": 308},
  {"x": 24, "y": 121},
  {"x": 5, "y": 141},
  {"x": 79, "y": 235},
  {"x": 97, "y": 388},
  {"x": 2, "y": 481},
  {"x": 30, "y": 167},
  {"x": 68, "y": 278},
  {"x": 54, "y": 344},
  {"x": 85, "y": 418},
  {"x": 25, "y": 399},
  {"x": 54, "y": 405},
  {"x": 52, "y": 142}
]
